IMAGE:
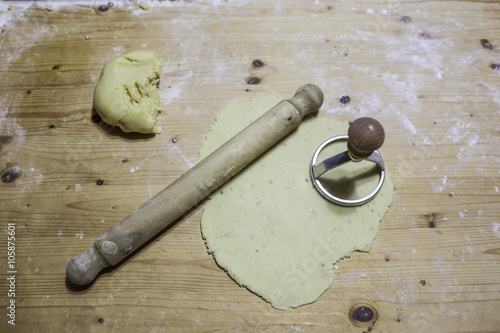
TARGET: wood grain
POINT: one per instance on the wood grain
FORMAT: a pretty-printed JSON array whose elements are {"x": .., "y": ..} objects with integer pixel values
[{"x": 420, "y": 68}]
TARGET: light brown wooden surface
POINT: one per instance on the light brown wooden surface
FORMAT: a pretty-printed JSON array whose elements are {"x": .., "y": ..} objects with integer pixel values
[{"x": 420, "y": 68}]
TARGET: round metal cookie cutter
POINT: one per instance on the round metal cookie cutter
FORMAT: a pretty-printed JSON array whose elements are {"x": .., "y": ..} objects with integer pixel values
[{"x": 364, "y": 137}]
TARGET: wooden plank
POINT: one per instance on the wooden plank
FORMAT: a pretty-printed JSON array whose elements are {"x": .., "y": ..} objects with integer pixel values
[{"x": 423, "y": 69}]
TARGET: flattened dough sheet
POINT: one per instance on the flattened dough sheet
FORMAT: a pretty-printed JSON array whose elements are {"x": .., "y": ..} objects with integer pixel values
[{"x": 269, "y": 228}]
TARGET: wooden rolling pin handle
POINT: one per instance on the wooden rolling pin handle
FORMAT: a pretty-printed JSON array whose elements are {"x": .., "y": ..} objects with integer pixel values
[
  {"x": 365, "y": 135},
  {"x": 192, "y": 187}
]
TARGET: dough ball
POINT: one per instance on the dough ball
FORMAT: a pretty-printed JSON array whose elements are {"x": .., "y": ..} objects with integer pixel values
[{"x": 127, "y": 94}]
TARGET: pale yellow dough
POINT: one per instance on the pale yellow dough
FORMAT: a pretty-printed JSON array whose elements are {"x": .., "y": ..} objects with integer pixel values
[
  {"x": 127, "y": 95},
  {"x": 269, "y": 228}
]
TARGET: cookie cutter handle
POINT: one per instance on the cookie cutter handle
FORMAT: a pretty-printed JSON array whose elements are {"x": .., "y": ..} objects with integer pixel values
[{"x": 364, "y": 137}]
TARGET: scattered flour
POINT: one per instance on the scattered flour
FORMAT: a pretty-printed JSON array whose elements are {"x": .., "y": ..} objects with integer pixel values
[
  {"x": 171, "y": 94},
  {"x": 407, "y": 123},
  {"x": 495, "y": 227},
  {"x": 189, "y": 161}
]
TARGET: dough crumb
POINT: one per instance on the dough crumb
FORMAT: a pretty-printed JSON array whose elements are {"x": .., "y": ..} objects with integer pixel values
[{"x": 209, "y": 181}]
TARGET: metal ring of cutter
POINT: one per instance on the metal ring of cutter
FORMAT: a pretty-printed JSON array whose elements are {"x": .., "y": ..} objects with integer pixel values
[{"x": 337, "y": 160}]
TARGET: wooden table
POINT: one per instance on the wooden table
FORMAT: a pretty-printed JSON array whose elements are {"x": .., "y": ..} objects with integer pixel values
[{"x": 428, "y": 71}]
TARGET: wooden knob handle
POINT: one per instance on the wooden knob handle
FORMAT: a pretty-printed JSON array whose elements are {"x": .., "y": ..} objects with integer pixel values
[
  {"x": 365, "y": 135},
  {"x": 83, "y": 268},
  {"x": 189, "y": 189},
  {"x": 307, "y": 99}
]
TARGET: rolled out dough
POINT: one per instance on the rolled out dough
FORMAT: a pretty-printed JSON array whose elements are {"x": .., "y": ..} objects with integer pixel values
[
  {"x": 127, "y": 95},
  {"x": 269, "y": 228}
]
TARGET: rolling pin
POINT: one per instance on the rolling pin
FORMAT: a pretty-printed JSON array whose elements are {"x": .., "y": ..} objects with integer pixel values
[{"x": 193, "y": 186}]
